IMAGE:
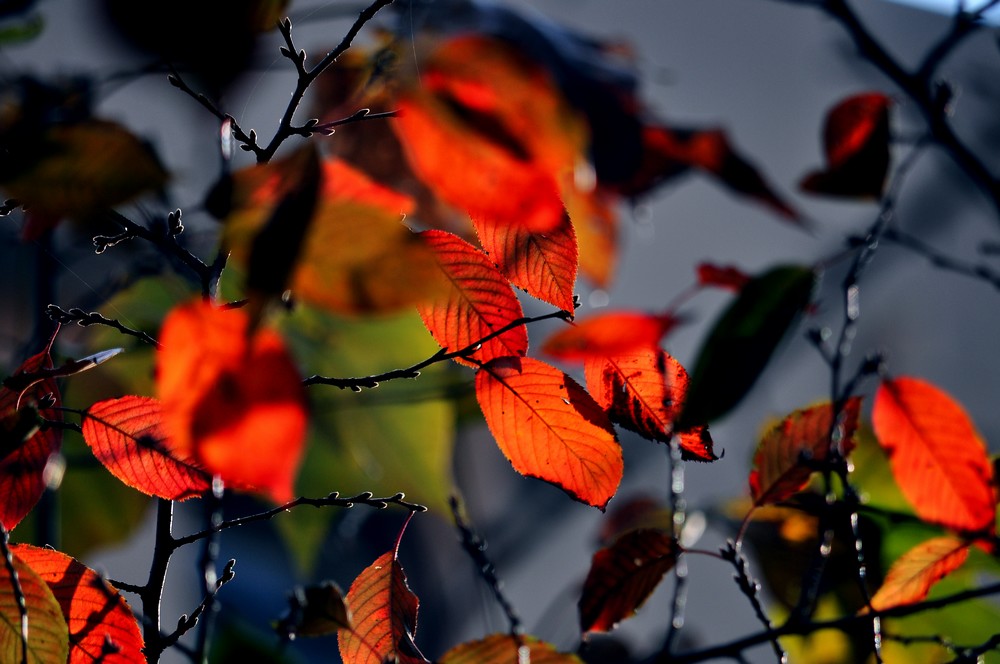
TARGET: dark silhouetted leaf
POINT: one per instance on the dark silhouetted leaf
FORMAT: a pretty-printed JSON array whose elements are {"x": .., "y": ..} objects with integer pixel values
[
  {"x": 936, "y": 454},
  {"x": 743, "y": 340},
  {"x": 548, "y": 427},
  {"x": 623, "y": 576},
  {"x": 316, "y": 611},
  {"x": 102, "y": 628},
  {"x": 910, "y": 578},
  {"x": 722, "y": 276}
]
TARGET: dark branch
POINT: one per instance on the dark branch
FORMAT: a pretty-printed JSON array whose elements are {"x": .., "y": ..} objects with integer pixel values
[
  {"x": 86, "y": 318},
  {"x": 15, "y": 582}
]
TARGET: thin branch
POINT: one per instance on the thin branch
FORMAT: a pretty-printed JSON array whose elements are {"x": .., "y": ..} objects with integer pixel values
[
  {"x": 334, "y": 499},
  {"x": 678, "y": 510},
  {"x": 413, "y": 371},
  {"x": 942, "y": 261},
  {"x": 362, "y": 115},
  {"x": 152, "y": 592},
  {"x": 87, "y": 318},
  {"x": 15, "y": 582},
  {"x": 750, "y": 587},
  {"x": 186, "y": 622}
]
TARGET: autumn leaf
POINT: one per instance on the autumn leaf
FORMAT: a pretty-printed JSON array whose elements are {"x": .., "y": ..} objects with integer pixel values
[
  {"x": 507, "y": 649},
  {"x": 637, "y": 512},
  {"x": 611, "y": 333},
  {"x": 644, "y": 391},
  {"x": 232, "y": 401},
  {"x": 548, "y": 427},
  {"x": 936, "y": 454},
  {"x": 595, "y": 222},
  {"x": 487, "y": 130},
  {"x": 477, "y": 302},
  {"x": 856, "y": 138},
  {"x": 910, "y": 578},
  {"x": 25, "y": 448},
  {"x": 126, "y": 435},
  {"x": 317, "y": 610},
  {"x": 623, "y": 576},
  {"x": 102, "y": 627},
  {"x": 48, "y": 636},
  {"x": 543, "y": 264},
  {"x": 743, "y": 340},
  {"x": 385, "y": 616},
  {"x": 780, "y": 469},
  {"x": 722, "y": 276}
]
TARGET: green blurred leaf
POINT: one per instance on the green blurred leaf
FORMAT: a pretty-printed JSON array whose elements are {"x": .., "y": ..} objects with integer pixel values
[
  {"x": 21, "y": 30},
  {"x": 743, "y": 340}
]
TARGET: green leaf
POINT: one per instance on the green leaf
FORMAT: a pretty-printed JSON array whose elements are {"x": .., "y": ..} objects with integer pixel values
[
  {"x": 21, "y": 30},
  {"x": 743, "y": 340}
]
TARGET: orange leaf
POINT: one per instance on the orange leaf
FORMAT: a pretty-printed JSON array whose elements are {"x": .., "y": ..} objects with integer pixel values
[
  {"x": 507, "y": 649},
  {"x": 26, "y": 448},
  {"x": 643, "y": 391},
  {"x": 856, "y": 143},
  {"x": 778, "y": 468},
  {"x": 477, "y": 302},
  {"x": 548, "y": 427},
  {"x": 126, "y": 435},
  {"x": 622, "y": 576},
  {"x": 385, "y": 616},
  {"x": 595, "y": 223},
  {"x": 232, "y": 400},
  {"x": 910, "y": 578},
  {"x": 47, "y": 634},
  {"x": 543, "y": 264},
  {"x": 935, "y": 453},
  {"x": 613, "y": 333},
  {"x": 102, "y": 627}
]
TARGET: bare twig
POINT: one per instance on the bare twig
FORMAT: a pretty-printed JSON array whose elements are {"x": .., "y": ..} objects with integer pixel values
[
  {"x": 751, "y": 589},
  {"x": 15, "y": 582},
  {"x": 86, "y": 318}
]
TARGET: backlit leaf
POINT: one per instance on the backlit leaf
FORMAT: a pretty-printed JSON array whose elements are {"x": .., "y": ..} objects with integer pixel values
[
  {"x": 910, "y": 578},
  {"x": 488, "y": 131},
  {"x": 543, "y": 264},
  {"x": 126, "y": 435},
  {"x": 232, "y": 400},
  {"x": 507, "y": 649},
  {"x": 622, "y": 576},
  {"x": 643, "y": 391},
  {"x": 477, "y": 301},
  {"x": 856, "y": 138},
  {"x": 385, "y": 616},
  {"x": 102, "y": 628},
  {"x": 936, "y": 454},
  {"x": 612, "y": 333},
  {"x": 25, "y": 448},
  {"x": 595, "y": 222},
  {"x": 548, "y": 427},
  {"x": 780, "y": 467},
  {"x": 743, "y": 340},
  {"x": 48, "y": 637}
]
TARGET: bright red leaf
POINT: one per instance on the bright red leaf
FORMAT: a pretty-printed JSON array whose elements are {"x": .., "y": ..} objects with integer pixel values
[
  {"x": 722, "y": 276},
  {"x": 856, "y": 138},
  {"x": 477, "y": 302},
  {"x": 549, "y": 427},
  {"x": 622, "y": 576},
  {"x": 126, "y": 435},
  {"x": 385, "y": 616},
  {"x": 779, "y": 470},
  {"x": 543, "y": 264},
  {"x": 232, "y": 399},
  {"x": 507, "y": 649},
  {"x": 48, "y": 638},
  {"x": 102, "y": 628},
  {"x": 612, "y": 333},
  {"x": 936, "y": 454},
  {"x": 26, "y": 448},
  {"x": 910, "y": 578},
  {"x": 643, "y": 391}
]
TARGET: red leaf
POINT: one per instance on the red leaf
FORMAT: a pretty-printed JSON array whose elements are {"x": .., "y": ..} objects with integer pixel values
[
  {"x": 507, "y": 649},
  {"x": 26, "y": 449},
  {"x": 46, "y": 629},
  {"x": 936, "y": 455},
  {"x": 232, "y": 399},
  {"x": 612, "y": 333},
  {"x": 543, "y": 264},
  {"x": 385, "y": 616},
  {"x": 477, "y": 302},
  {"x": 548, "y": 427},
  {"x": 722, "y": 276},
  {"x": 623, "y": 576},
  {"x": 910, "y": 578},
  {"x": 126, "y": 435},
  {"x": 102, "y": 628},
  {"x": 643, "y": 391},
  {"x": 778, "y": 468},
  {"x": 856, "y": 144}
]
